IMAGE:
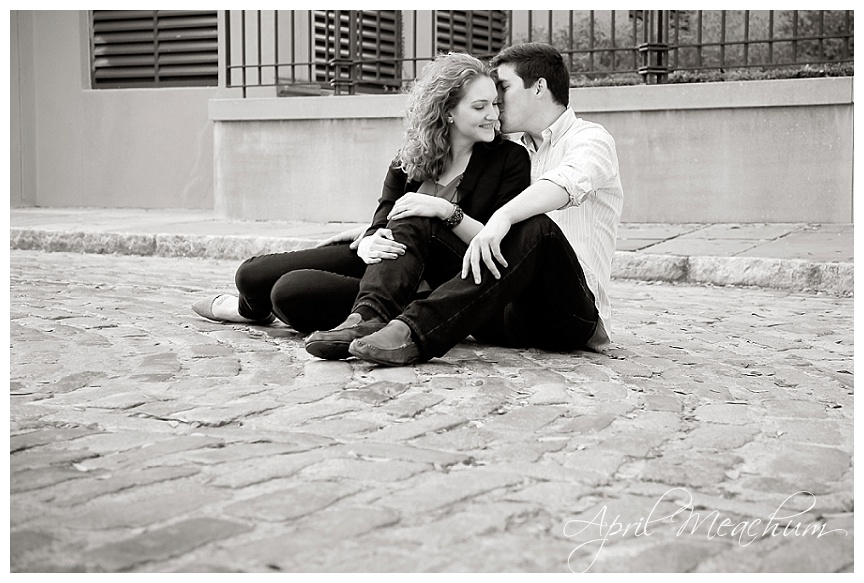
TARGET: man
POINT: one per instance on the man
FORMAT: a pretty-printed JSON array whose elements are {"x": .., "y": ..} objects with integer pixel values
[{"x": 527, "y": 278}]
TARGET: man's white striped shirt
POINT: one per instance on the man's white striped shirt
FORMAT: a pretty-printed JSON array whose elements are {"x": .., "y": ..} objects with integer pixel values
[{"x": 580, "y": 157}]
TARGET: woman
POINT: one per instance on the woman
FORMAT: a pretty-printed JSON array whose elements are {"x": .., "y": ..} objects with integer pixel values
[{"x": 451, "y": 158}]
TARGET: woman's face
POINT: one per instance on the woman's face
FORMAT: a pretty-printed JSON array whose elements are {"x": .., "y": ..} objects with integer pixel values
[{"x": 476, "y": 114}]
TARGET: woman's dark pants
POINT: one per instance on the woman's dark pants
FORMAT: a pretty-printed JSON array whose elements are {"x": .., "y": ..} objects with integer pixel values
[{"x": 310, "y": 289}]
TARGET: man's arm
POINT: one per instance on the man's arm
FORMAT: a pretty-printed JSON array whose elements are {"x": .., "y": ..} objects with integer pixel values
[
  {"x": 541, "y": 197},
  {"x": 589, "y": 163}
]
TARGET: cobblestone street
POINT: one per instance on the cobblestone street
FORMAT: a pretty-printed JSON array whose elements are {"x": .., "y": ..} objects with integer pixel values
[{"x": 144, "y": 438}]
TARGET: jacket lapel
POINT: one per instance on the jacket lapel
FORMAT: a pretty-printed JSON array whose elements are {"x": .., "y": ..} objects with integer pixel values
[
  {"x": 472, "y": 172},
  {"x": 412, "y": 185}
]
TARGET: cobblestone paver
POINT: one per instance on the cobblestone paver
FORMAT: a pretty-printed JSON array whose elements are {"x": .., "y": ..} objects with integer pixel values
[{"x": 716, "y": 435}]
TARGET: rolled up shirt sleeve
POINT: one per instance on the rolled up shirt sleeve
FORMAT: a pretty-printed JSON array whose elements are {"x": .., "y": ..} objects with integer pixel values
[{"x": 590, "y": 163}]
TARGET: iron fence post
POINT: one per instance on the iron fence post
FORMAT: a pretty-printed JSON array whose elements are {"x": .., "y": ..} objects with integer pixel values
[
  {"x": 654, "y": 48},
  {"x": 344, "y": 67}
]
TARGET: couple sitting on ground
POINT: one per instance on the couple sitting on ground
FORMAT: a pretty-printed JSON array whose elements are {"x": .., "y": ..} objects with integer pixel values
[{"x": 512, "y": 242}]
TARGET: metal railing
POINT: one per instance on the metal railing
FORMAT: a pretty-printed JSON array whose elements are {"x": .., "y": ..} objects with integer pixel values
[{"x": 353, "y": 51}]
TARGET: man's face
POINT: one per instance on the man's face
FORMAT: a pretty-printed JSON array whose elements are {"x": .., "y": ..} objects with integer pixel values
[{"x": 514, "y": 100}]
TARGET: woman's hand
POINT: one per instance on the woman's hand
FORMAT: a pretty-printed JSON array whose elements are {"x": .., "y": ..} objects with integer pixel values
[
  {"x": 377, "y": 246},
  {"x": 415, "y": 204},
  {"x": 352, "y": 235}
]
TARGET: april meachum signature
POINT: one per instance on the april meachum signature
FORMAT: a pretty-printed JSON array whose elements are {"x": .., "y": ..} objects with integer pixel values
[{"x": 746, "y": 531}]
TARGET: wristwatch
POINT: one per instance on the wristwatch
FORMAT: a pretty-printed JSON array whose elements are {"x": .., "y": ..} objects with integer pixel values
[{"x": 455, "y": 217}]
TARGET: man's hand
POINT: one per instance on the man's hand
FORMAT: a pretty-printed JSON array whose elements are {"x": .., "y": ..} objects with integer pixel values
[
  {"x": 486, "y": 247},
  {"x": 380, "y": 245}
]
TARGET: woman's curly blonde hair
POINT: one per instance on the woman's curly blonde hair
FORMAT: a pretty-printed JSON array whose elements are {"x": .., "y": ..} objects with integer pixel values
[{"x": 436, "y": 91}]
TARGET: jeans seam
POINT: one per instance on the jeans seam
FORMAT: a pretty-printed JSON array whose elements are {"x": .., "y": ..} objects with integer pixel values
[{"x": 447, "y": 245}]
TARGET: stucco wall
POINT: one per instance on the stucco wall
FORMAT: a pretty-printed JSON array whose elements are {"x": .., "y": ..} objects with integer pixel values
[
  {"x": 783, "y": 164},
  {"x": 755, "y": 151},
  {"x": 148, "y": 148},
  {"x": 767, "y": 151},
  {"x": 304, "y": 158},
  {"x": 305, "y": 170},
  {"x": 22, "y": 126}
]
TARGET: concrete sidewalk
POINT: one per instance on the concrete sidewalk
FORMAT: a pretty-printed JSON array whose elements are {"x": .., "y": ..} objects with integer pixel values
[{"x": 799, "y": 257}]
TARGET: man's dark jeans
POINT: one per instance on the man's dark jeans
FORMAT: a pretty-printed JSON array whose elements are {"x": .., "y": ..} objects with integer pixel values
[{"x": 541, "y": 300}]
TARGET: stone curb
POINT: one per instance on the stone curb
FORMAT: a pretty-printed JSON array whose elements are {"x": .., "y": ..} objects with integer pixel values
[
  {"x": 160, "y": 245},
  {"x": 786, "y": 274}
]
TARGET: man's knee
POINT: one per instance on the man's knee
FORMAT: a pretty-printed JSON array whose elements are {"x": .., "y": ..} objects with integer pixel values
[
  {"x": 541, "y": 224},
  {"x": 531, "y": 231}
]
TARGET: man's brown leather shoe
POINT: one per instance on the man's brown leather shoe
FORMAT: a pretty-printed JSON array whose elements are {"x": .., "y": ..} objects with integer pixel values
[
  {"x": 333, "y": 344},
  {"x": 386, "y": 347}
]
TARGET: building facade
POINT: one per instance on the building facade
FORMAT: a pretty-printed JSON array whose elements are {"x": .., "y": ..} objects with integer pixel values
[{"x": 147, "y": 110}]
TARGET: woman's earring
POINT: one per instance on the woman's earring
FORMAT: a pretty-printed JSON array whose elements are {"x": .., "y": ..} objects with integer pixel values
[{"x": 450, "y": 120}]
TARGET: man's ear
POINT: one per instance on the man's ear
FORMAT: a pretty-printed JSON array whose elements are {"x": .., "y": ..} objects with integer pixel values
[{"x": 539, "y": 87}]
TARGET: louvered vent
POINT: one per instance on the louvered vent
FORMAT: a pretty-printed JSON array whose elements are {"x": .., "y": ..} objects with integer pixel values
[
  {"x": 154, "y": 48},
  {"x": 376, "y": 37},
  {"x": 478, "y": 32}
]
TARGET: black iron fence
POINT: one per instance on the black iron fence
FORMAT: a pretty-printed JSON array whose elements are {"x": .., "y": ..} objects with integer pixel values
[{"x": 378, "y": 51}]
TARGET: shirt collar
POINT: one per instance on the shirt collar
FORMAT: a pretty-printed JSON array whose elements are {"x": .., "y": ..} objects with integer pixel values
[
  {"x": 560, "y": 126},
  {"x": 554, "y": 132}
]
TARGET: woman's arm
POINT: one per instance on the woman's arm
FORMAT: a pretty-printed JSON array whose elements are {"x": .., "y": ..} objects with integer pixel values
[
  {"x": 416, "y": 204},
  {"x": 375, "y": 242},
  {"x": 515, "y": 177},
  {"x": 394, "y": 188}
]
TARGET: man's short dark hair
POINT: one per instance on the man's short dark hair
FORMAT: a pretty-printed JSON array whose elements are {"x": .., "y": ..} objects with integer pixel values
[{"x": 534, "y": 60}]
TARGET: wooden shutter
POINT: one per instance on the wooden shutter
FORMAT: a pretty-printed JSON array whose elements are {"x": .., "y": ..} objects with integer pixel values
[
  {"x": 377, "y": 41},
  {"x": 154, "y": 48},
  {"x": 478, "y": 32}
]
